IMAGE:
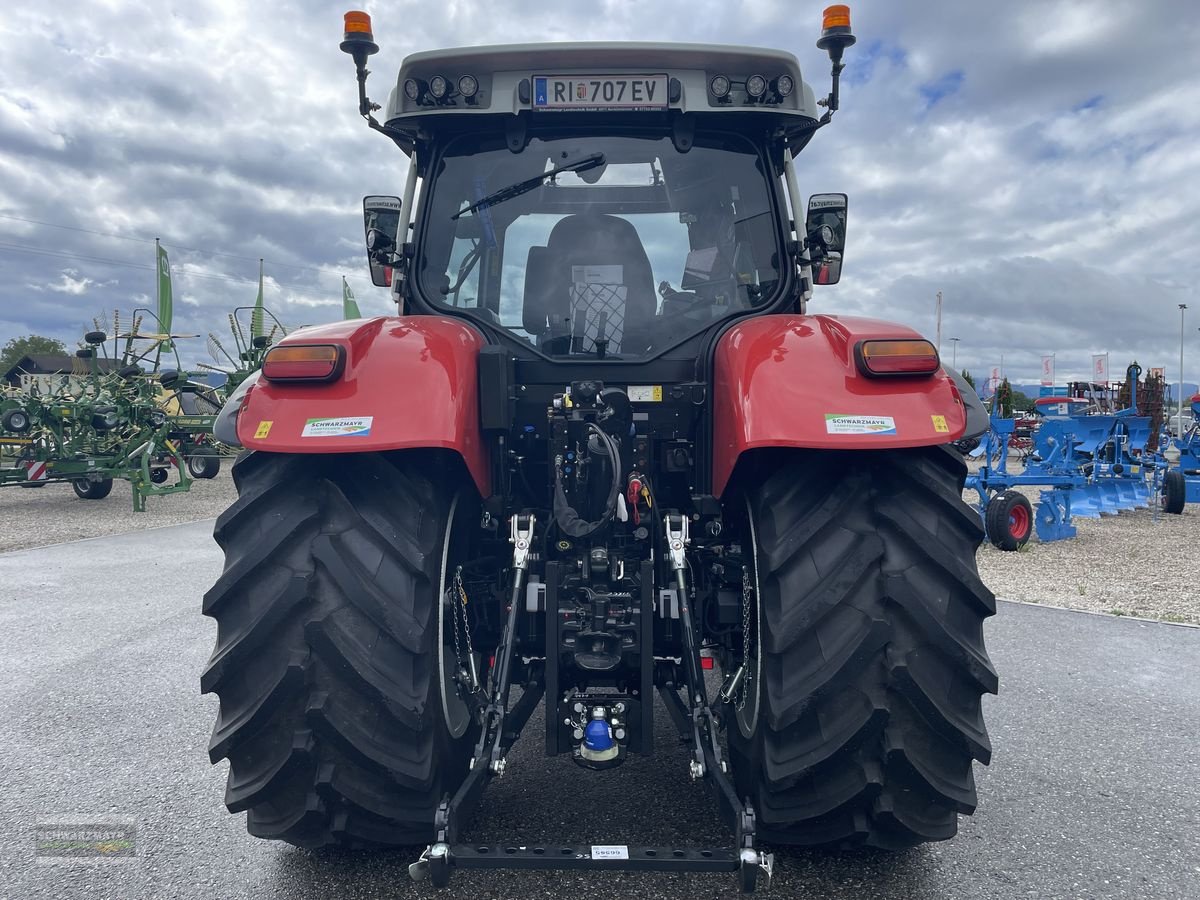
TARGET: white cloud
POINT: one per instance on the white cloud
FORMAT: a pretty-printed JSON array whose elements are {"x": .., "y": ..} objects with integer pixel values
[
  {"x": 69, "y": 283},
  {"x": 1035, "y": 161}
]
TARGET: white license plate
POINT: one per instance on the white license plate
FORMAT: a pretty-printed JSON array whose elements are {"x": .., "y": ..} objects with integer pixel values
[{"x": 599, "y": 91}]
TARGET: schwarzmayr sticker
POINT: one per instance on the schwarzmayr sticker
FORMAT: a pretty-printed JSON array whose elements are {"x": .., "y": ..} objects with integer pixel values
[
  {"x": 341, "y": 427},
  {"x": 839, "y": 424}
]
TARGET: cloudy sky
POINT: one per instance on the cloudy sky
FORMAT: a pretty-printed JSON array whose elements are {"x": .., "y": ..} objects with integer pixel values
[{"x": 1038, "y": 162}]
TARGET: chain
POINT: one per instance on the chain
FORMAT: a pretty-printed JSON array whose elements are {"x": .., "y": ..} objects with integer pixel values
[
  {"x": 462, "y": 596},
  {"x": 458, "y": 606},
  {"x": 747, "y": 593},
  {"x": 452, "y": 592}
]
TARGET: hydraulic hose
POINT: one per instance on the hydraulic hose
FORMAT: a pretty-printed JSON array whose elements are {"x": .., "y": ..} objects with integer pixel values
[{"x": 565, "y": 516}]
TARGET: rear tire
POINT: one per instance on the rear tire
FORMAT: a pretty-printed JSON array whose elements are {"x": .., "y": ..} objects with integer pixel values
[
  {"x": 203, "y": 465},
  {"x": 1174, "y": 492},
  {"x": 14, "y": 421},
  {"x": 870, "y": 622},
  {"x": 1009, "y": 520},
  {"x": 326, "y": 662},
  {"x": 92, "y": 490}
]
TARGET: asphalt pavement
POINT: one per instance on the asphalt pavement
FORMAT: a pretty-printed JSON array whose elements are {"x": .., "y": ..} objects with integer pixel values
[{"x": 1094, "y": 790}]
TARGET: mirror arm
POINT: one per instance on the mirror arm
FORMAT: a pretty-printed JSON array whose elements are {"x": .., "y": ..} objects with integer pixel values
[
  {"x": 400, "y": 272},
  {"x": 803, "y": 263}
]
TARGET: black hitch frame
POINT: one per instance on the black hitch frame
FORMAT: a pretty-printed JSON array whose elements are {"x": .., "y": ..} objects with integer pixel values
[{"x": 694, "y": 717}]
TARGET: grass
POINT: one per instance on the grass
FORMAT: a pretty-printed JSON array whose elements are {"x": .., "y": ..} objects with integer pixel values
[
  {"x": 1176, "y": 619},
  {"x": 1118, "y": 612}
]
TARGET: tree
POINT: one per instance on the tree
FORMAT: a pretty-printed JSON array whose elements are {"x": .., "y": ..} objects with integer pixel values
[
  {"x": 968, "y": 378},
  {"x": 1004, "y": 396},
  {"x": 1021, "y": 400},
  {"x": 28, "y": 345}
]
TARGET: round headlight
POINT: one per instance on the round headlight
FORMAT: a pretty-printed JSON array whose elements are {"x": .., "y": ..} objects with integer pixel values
[
  {"x": 468, "y": 86},
  {"x": 438, "y": 86},
  {"x": 412, "y": 90},
  {"x": 719, "y": 86},
  {"x": 784, "y": 85},
  {"x": 756, "y": 86}
]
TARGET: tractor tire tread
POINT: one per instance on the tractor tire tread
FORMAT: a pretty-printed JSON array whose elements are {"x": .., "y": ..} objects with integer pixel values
[
  {"x": 873, "y": 656},
  {"x": 1174, "y": 492},
  {"x": 326, "y": 661}
]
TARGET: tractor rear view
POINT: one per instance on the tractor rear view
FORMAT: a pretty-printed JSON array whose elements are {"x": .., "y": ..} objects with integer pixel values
[{"x": 602, "y": 448}]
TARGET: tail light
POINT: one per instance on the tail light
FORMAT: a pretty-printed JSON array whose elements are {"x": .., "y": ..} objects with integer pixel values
[
  {"x": 897, "y": 357},
  {"x": 304, "y": 362}
]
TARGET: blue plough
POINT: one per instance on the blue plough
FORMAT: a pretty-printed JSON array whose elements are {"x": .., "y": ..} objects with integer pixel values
[{"x": 1089, "y": 465}]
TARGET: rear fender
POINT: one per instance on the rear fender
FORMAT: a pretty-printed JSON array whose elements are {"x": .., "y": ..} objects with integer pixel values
[
  {"x": 408, "y": 382},
  {"x": 792, "y": 381}
]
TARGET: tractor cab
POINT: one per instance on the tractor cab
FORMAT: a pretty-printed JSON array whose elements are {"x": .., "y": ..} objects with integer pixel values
[{"x": 601, "y": 201}]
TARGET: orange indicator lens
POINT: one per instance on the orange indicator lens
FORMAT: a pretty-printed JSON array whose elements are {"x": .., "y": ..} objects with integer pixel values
[
  {"x": 904, "y": 357},
  {"x": 359, "y": 22},
  {"x": 305, "y": 362},
  {"x": 837, "y": 16}
]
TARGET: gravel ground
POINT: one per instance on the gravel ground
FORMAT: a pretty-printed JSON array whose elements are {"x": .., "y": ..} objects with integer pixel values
[
  {"x": 36, "y": 517},
  {"x": 1137, "y": 563}
]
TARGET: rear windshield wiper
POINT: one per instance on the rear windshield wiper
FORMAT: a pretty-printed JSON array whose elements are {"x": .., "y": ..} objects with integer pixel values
[{"x": 524, "y": 187}]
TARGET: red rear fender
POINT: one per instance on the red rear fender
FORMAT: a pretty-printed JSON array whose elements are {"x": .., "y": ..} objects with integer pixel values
[
  {"x": 792, "y": 381},
  {"x": 408, "y": 382}
]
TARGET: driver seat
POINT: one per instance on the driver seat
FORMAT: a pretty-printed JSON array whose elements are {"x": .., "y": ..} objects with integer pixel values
[{"x": 592, "y": 281}]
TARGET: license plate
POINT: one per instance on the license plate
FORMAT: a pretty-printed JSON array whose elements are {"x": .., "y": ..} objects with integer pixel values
[{"x": 599, "y": 91}]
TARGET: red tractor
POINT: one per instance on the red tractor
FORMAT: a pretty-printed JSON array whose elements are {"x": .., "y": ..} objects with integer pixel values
[{"x": 602, "y": 449}]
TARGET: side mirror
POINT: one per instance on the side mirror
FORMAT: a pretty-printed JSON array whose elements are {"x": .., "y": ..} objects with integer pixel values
[
  {"x": 381, "y": 218},
  {"x": 825, "y": 234}
]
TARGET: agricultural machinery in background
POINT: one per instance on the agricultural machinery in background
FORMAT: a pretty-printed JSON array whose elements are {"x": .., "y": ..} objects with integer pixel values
[
  {"x": 1181, "y": 484},
  {"x": 123, "y": 422},
  {"x": 1090, "y": 464},
  {"x": 603, "y": 447},
  {"x": 251, "y": 340}
]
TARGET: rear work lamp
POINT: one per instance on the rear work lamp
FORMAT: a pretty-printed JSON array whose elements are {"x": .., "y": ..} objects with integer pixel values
[
  {"x": 897, "y": 357},
  {"x": 304, "y": 362}
]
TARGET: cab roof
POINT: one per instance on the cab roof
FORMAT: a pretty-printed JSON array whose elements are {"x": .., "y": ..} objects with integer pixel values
[{"x": 504, "y": 74}]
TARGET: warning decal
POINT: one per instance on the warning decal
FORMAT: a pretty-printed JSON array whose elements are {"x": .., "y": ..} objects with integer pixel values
[
  {"x": 645, "y": 393},
  {"x": 344, "y": 426},
  {"x": 939, "y": 424},
  {"x": 836, "y": 423}
]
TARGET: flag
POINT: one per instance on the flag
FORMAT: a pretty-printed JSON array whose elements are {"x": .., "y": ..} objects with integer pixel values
[
  {"x": 994, "y": 381},
  {"x": 349, "y": 305},
  {"x": 256, "y": 318},
  {"x": 1100, "y": 367},
  {"x": 164, "y": 292},
  {"x": 1048, "y": 370}
]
